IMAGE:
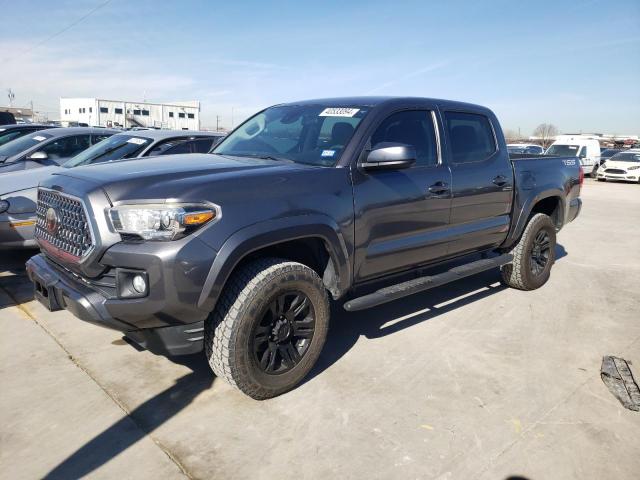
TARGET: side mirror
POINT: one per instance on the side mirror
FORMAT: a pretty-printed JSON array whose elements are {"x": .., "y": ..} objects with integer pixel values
[
  {"x": 390, "y": 156},
  {"x": 38, "y": 156}
]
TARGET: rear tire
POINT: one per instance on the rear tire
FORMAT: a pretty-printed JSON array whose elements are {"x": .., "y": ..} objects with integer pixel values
[
  {"x": 533, "y": 256},
  {"x": 268, "y": 328}
]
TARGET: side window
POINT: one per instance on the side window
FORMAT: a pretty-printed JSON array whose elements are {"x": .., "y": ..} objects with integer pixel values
[
  {"x": 413, "y": 127},
  {"x": 202, "y": 145},
  {"x": 470, "y": 135},
  {"x": 67, "y": 147},
  {"x": 583, "y": 152},
  {"x": 183, "y": 146},
  {"x": 99, "y": 138}
]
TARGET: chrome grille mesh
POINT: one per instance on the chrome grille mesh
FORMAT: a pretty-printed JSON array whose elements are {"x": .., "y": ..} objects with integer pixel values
[{"x": 72, "y": 234}]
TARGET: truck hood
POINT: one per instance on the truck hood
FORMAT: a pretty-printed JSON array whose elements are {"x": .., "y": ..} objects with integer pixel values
[
  {"x": 23, "y": 179},
  {"x": 168, "y": 176},
  {"x": 621, "y": 165}
]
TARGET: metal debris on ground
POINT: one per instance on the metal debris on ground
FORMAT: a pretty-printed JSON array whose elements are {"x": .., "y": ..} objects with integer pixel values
[{"x": 617, "y": 376}]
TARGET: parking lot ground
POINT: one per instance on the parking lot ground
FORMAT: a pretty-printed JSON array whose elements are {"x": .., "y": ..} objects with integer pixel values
[{"x": 471, "y": 380}]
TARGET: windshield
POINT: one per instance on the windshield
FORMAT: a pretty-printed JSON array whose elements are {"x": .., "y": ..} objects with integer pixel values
[
  {"x": 7, "y": 135},
  {"x": 563, "y": 150},
  {"x": 626, "y": 157},
  {"x": 112, "y": 148},
  {"x": 21, "y": 144},
  {"x": 309, "y": 134}
]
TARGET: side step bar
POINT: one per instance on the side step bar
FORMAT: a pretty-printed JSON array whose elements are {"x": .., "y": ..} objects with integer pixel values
[{"x": 416, "y": 285}]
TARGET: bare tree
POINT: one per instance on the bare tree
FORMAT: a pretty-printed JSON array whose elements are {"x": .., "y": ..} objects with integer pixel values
[{"x": 545, "y": 133}]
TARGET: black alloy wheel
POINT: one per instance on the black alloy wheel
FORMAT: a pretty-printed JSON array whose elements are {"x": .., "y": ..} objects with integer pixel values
[
  {"x": 540, "y": 252},
  {"x": 284, "y": 333}
]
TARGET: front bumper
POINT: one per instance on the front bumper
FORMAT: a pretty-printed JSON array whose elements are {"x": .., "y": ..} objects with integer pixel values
[
  {"x": 633, "y": 176},
  {"x": 56, "y": 288}
]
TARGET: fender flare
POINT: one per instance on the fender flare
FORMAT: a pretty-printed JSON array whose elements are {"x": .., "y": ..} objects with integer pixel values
[
  {"x": 525, "y": 212},
  {"x": 264, "y": 234}
]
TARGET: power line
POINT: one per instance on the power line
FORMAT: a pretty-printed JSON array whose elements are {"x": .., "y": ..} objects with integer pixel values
[{"x": 60, "y": 32}]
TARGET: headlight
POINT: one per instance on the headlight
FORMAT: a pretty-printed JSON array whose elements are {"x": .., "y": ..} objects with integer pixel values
[
  {"x": 635, "y": 167},
  {"x": 161, "y": 221},
  {"x": 4, "y": 206},
  {"x": 604, "y": 165}
]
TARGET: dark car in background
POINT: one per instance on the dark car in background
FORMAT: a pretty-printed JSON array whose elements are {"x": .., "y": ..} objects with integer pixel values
[
  {"x": 9, "y": 133},
  {"x": 52, "y": 146},
  {"x": 7, "y": 118},
  {"x": 608, "y": 153}
]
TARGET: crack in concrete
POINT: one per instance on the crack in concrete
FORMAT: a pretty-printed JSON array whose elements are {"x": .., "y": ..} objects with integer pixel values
[{"x": 111, "y": 395}]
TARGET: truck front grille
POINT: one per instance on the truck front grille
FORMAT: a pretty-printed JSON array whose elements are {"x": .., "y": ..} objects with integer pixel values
[{"x": 61, "y": 222}]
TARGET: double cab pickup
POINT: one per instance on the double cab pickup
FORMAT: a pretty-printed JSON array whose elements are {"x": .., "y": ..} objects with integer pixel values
[{"x": 239, "y": 252}]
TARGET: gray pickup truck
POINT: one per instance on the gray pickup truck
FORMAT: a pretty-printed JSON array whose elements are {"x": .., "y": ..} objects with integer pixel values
[{"x": 238, "y": 253}]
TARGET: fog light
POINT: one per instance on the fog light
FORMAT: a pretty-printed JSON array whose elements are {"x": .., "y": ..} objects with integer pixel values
[{"x": 139, "y": 284}]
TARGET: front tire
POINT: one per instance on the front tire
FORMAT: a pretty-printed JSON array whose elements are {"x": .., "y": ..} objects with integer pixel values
[
  {"x": 268, "y": 327},
  {"x": 533, "y": 256}
]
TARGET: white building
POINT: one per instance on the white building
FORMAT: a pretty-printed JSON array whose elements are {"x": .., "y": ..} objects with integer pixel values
[{"x": 119, "y": 113}]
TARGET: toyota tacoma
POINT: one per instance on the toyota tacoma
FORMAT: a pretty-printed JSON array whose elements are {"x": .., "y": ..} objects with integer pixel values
[{"x": 239, "y": 252}]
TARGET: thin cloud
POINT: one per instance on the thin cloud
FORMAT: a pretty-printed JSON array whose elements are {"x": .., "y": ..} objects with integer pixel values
[{"x": 421, "y": 71}]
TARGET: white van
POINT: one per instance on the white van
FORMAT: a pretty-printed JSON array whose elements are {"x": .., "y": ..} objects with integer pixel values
[{"x": 587, "y": 149}]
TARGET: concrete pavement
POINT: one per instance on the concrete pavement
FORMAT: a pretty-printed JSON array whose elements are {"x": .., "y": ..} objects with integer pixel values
[{"x": 470, "y": 380}]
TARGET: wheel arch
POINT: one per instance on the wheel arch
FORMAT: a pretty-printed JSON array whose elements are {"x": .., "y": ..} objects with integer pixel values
[
  {"x": 314, "y": 240},
  {"x": 550, "y": 202}
]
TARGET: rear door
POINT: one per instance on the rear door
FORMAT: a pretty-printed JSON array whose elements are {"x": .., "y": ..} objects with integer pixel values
[
  {"x": 482, "y": 181},
  {"x": 401, "y": 215}
]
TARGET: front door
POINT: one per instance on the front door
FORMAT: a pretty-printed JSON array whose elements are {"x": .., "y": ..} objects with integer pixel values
[{"x": 401, "y": 215}]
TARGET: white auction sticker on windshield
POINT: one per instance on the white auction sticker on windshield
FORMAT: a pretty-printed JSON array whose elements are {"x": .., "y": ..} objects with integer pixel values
[
  {"x": 38, "y": 138},
  {"x": 137, "y": 141},
  {"x": 339, "y": 112}
]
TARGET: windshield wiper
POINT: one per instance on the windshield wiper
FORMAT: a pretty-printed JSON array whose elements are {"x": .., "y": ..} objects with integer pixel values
[{"x": 260, "y": 156}]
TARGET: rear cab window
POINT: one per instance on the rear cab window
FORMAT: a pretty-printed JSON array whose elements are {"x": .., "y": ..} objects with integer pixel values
[{"x": 471, "y": 136}]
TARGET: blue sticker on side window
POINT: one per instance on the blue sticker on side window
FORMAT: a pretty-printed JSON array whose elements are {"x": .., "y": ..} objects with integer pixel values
[{"x": 328, "y": 153}]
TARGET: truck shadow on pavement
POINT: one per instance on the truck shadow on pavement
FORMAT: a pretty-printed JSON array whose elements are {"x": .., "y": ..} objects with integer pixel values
[
  {"x": 346, "y": 328},
  {"x": 138, "y": 423}
]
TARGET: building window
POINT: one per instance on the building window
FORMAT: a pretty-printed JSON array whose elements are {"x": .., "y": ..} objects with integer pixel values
[
  {"x": 190, "y": 115},
  {"x": 181, "y": 115},
  {"x": 170, "y": 114},
  {"x": 118, "y": 111},
  {"x": 104, "y": 110},
  {"x": 136, "y": 112},
  {"x": 145, "y": 113}
]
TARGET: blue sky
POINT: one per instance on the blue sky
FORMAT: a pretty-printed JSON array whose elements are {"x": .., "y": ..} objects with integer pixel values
[{"x": 575, "y": 64}]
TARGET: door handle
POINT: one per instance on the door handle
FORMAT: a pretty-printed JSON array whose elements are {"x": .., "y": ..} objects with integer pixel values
[
  {"x": 500, "y": 180},
  {"x": 439, "y": 188}
]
